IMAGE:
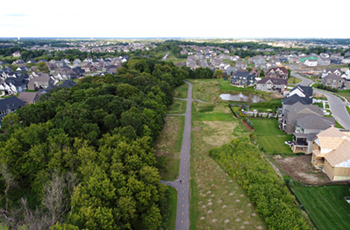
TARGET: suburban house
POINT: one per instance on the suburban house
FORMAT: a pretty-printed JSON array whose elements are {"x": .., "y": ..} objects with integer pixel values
[
  {"x": 293, "y": 59},
  {"x": 306, "y": 129},
  {"x": 302, "y": 94},
  {"x": 76, "y": 62},
  {"x": 331, "y": 154},
  {"x": 230, "y": 70},
  {"x": 41, "y": 82},
  {"x": 9, "y": 105},
  {"x": 271, "y": 84},
  {"x": 17, "y": 54},
  {"x": 243, "y": 78},
  {"x": 309, "y": 62},
  {"x": 257, "y": 60},
  {"x": 323, "y": 61},
  {"x": 278, "y": 72},
  {"x": 333, "y": 80},
  {"x": 29, "y": 97},
  {"x": 295, "y": 111},
  {"x": 241, "y": 65},
  {"x": 336, "y": 71}
]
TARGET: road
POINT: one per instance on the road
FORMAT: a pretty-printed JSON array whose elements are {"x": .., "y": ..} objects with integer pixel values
[
  {"x": 336, "y": 105},
  {"x": 182, "y": 184}
]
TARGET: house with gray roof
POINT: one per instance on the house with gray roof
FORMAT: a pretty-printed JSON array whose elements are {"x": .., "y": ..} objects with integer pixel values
[
  {"x": 306, "y": 129},
  {"x": 272, "y": 84},
  {"x": 334, "y": 81},
  {"x": 243, "y": 78},
  {"x": 302, "y": 94},
  {"x": 241, "y": 65},
  {"x": 9, "y": 105}
]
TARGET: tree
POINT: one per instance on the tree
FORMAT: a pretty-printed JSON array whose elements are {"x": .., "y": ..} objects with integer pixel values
[
  {"x": 218, "y": 73},
  {"x": 43, "y": 67}
]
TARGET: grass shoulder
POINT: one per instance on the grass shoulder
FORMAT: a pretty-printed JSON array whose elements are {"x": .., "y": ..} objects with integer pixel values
[
  {"x": 178, "y": 107},
  {"x": 168, "y": 209},
  {"x": 181, "y": 91},
  {"x": 168, "y": 147}
]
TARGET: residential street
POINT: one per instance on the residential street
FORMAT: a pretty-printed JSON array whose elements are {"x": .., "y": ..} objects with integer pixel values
[
  {"x": 337, "y": 106},
  {"x": 182, "y": 183}
]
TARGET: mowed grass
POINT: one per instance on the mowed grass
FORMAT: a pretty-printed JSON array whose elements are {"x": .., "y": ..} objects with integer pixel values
[
  {"x": 326, "y": 206},
  {"x": 178, "y": 107},
  {"x": 181, "y": 91},
  {"x": 270, "y": 136},
  {"x": 168, "y": 210},
  {"x": 214, "y": 194},
  {"x": 344, "y": 93},
  {"x": 294, "y": 80},
  {"x": 168, "y": 146}
]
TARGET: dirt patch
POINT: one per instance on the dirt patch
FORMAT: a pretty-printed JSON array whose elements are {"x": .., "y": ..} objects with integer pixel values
[
  {"x": 197, "y": 129},
  {"x": 218, "y": 133},
  {"x": 246, "y": 125},
  {"x": 276, "y": 95},
  {"x": 301, "y": 169}
]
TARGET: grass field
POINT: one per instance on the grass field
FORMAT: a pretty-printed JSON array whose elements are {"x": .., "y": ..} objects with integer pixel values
[
  {"x": 293, "y": 80},
  {"x": 168, "y": 209},
  {"x": 181, "y": 91},
  {"x": 326, "y": 206},
  {"x": 168, "y": 146},
  {"x": 178, "y": 107},
  {"x": 270, "y": 136},
  {"x": 214, "y": 194}
]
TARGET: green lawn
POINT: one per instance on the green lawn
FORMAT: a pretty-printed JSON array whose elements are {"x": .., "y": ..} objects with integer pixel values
[
  {"x": 270, "y": 136},
  {"x": 326, "y": 206},
  {"x": 337, "y": 125},
  {"x": 347, "y": 109},
  {"x": 168, "y": 209},
  {"x": 293, "y": 80},
  {"x": 178, "y": 107},
  {"x": 319, "y": 104},
  {"x": 181, "y": 91}
]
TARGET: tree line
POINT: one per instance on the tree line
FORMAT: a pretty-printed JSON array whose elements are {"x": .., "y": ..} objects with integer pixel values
[
  {"x": 271, "y": 197},
  {"x": 83, "y": 157}
]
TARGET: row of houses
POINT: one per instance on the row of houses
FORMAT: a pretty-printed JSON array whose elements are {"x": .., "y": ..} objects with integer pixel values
[
  {"x": 12, "y": 104},
  {"x": 315, "y": 134}
]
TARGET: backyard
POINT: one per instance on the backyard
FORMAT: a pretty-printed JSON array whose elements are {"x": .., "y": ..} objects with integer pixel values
[
  {"x": 270, "y": 137},
  {"x": 326, "y": 205}
]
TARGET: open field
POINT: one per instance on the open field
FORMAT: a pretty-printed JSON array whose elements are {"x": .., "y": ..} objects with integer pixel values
[
  {"x": 168, "y": 209},
  {"x": 168, "y": 146},
  {"x": 217, "y": 201},
  {"x": 181, "y": 91},
  {"x": 293, "y": 80},
  {"x": 270, "y": 136},
  {"x": 326, "y": 205},
  {"x": 178, "y": 107}
]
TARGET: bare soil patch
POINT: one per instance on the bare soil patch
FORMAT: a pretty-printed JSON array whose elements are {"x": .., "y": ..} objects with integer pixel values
[
  {"x": 246, "y": 125},
  {"x": 301, "y": 169},
  {"x": 276, "y": 95}
]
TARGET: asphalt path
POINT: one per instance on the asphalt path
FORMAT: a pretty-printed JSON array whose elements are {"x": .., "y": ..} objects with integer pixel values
[
  {"x": 336, "y": 105},
  {"x": 182, "y": 183}
]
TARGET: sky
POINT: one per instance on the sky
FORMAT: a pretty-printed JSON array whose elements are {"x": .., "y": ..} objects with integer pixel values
[{"x": 180, "y": 18}]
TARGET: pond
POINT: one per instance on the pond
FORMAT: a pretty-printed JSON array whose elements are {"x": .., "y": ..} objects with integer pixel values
[{"x": 246, "y": 97}]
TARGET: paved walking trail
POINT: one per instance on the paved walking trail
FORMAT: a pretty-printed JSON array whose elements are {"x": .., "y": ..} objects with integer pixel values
[{"x": 183, "y": 201}]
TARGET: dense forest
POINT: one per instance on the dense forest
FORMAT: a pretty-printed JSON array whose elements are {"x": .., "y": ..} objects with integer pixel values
[
  {"x": 83, "y": 157},
  {"x": 273, "y": 201}
]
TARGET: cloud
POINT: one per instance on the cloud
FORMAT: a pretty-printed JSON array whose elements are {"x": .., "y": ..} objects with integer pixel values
[{"x": 17, "y": 15}]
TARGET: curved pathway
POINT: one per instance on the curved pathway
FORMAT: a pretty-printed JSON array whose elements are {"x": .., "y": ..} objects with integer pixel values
[
  {"x": 336, "y": 105},
  {"x": 183, "y": 202}
]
